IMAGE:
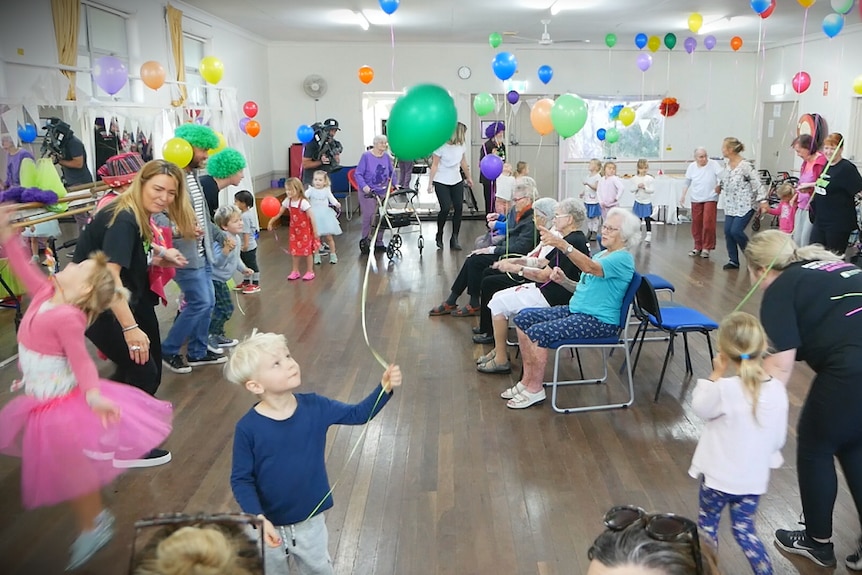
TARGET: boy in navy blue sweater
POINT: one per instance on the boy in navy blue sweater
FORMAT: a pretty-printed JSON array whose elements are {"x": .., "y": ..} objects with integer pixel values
[{"x": 279, "y": 472}]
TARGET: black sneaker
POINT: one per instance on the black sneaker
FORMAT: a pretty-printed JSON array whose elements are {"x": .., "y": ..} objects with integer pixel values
[
  {"x": 730, "y": 266},
  {"x": 798, "y": 543},
  {"x": 176, "y": 363},
  {"x": 854, "y": 561},
  {"x": 154, "y": 458},
  {"x": 209, "y": 359}
]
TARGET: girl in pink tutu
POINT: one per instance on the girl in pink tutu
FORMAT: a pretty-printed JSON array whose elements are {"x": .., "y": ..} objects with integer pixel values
[{"x": 68, "y": 422}]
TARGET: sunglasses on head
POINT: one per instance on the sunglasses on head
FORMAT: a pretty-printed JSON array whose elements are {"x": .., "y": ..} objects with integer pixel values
[
  {"x": 181, "y": 520},
  {"x": 659, "y": 526}
]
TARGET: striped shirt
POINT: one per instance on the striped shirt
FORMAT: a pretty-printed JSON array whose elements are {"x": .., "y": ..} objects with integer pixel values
[{"x": 200, "y": 206}]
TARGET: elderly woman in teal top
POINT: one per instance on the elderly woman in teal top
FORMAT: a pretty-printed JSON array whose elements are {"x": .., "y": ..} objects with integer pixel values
[{"x": 593, "y": 311}]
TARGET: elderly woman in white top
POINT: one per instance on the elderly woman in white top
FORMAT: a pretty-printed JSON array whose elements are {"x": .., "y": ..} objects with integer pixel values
[
  {"x": 741, "y": 185},
  {"x": 445, "y": 176},
  {"x": 701, "y": 177}
]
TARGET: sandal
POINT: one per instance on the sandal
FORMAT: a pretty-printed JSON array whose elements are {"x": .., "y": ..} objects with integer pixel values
[
  {"x": 442, "y": 309},
  {"x": 525, "y": 399},
  {"x": 467, "y": 311},
  {"x": 293, "y": 276},
  {"x": 493, "y": 367},
  {"x": 487, "y": 357},
  {"x": 513, "y": 391}
]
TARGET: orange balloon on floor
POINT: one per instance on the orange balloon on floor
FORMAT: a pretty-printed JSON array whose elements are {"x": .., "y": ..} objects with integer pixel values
[
  {"x": 366, "y": 74},
  {"x": 252, "y": 128}
]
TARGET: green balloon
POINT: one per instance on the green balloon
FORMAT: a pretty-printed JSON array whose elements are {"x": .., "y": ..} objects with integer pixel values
[
  {"x": 494, "y": 39},
  {"x": 611, "y": 40},
  {"x": 421, "y": 121},
  {"x": 612, "y": 135},
  {"x": 568, "y": 115},
  {"x": 483, "y": 103},
  {"x": 670, "y": 40}
]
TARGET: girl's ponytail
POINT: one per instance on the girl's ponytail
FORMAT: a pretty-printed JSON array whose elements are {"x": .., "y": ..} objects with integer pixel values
[{"x": 742, "y": 340}]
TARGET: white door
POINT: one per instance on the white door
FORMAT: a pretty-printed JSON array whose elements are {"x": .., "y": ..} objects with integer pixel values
[{"x": 777, "y": 132}]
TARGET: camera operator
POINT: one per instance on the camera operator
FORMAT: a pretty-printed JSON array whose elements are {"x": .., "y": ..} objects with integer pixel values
[
  {"x": 66, "y": 149},
  {"x": 323, "y": 152}
]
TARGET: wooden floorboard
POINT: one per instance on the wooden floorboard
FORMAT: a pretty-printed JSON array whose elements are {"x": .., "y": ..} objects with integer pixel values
[{"x": 447, "y": 480}]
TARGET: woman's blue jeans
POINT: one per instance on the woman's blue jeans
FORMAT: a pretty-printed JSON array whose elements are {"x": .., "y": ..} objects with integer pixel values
[
  {"x": 193, "y": 323},
  {"x": 734, "y": 235}
]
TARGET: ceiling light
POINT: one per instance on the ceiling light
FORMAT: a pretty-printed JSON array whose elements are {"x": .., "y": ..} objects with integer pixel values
[
  {"x": 361, "y": 20},
  {"x": 556, "y": 8}
]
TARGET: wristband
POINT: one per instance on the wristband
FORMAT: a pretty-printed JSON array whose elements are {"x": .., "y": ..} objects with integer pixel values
[{"x": 130, "y": 328}]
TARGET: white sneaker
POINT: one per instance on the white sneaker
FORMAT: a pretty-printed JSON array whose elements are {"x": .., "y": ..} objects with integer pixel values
[
  {"x": 89, "y": 542},
  {"x": 704, "y": 254},
  {"x": 648, "y": 237}
]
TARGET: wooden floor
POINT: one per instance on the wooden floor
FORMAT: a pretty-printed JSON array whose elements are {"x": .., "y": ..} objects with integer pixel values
[{"x": 447, "y": 480}]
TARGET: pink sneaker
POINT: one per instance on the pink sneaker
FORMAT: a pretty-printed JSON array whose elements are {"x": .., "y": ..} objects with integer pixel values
[
  {"x": 293, "y": 276},
  {"x": 308, "y": 276}
]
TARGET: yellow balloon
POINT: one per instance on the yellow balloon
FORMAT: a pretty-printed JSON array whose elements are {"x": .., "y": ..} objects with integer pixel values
[
  {"x": 857, "y": 84},
  {"x": 695, "y": 21},
  {"x": 222, "y": 144},
  {"x": 806, "y": 3},
  {"x": 654, "y": 43},
  {"x": 212, "y": 69},
  {"x": 178, "y": 151},
  {"x": 627, "y": 116}
]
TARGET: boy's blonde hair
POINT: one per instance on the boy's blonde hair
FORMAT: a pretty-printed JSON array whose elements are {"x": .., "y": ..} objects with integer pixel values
[
  {"x": 742, "y": 340},
  {"x": 225, "y": 214},
  {"x": 242, "y": 365},
  {"x": 325, "y": 176}
]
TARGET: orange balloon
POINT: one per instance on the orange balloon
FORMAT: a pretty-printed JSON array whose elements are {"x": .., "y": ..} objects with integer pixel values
[
  {"x": 366, "y": 74},
  {"x": 153, "y": 74},
  {"x": 540, "y": 116},
  {"x": 736, "y": 43},
  {"x": 252, "y": 128}
]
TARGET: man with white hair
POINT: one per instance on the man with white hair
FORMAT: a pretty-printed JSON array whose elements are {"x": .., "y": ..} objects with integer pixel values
[{"x": 701, "y": 177}]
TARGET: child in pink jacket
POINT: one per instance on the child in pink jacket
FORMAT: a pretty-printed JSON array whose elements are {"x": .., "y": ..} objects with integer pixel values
[{"x": 785, "y": 211}]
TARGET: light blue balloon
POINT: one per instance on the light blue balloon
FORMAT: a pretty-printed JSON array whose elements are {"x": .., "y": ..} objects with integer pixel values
[
  {"x": 389, "y": 6},
  {"x": 760, "y": 6},
  {"x": 833, "y": 24}
]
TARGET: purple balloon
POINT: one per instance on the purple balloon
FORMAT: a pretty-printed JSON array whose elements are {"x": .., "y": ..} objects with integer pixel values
[
  {"x": 644, "y": 61},
  {"x": 513, "y": 97},
  {"x": 110, "y": 74},
  {"x": 491, "y": 166},
  {"x": 709, "y": 42},
  {"x": 243, "y": 123},
  {"x": 690, "y": 44}
]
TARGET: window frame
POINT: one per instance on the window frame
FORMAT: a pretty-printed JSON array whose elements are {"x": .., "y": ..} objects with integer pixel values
[{"x": 87, "y": 55}]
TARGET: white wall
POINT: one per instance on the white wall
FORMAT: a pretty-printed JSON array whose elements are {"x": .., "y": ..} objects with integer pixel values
[
  {"x": 29, "y": 26},
  {"x": 833, "y": 60},
  {"x": 716, "y": 90}
]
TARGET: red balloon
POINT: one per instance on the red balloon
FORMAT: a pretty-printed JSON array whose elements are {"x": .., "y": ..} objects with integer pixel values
[
  {"x": 250, "y": 109},
  {"x": 768, "y": 12},
  {"x": 270, "y": 206},
  {"x": 801, "y": 82}
]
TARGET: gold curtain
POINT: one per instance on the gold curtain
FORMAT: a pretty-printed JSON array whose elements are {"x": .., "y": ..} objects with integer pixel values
[
  {"x": 67, "y": 18},
  {"x": 175, "y": 31}
]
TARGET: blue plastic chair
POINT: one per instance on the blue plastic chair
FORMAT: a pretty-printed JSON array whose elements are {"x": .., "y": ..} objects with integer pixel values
[
  {"x": 342, "y": 186},
  {"x": 619, "y": 340},
  {"x": 670, "y": 319},
  {"x": 660, "y": 284}
]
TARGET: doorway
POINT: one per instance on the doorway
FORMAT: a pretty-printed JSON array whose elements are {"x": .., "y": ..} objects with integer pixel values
[{"x": 777, "y": 131}]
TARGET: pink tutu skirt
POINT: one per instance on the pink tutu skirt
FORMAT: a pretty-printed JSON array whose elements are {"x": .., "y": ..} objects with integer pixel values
[{"x": 65, "y": 450}]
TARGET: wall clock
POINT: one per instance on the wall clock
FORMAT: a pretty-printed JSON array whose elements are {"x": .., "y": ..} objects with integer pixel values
[{"x": 464, "y": 72}]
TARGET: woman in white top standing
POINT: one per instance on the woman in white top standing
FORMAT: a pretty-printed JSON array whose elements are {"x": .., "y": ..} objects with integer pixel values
[
  {"x": 446, "y": 165},
  {"x": 701, "y": 177}
]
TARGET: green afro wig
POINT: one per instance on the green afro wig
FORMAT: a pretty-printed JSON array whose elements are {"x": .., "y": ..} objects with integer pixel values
[
  {"x": 198, "y": 136},
  {"x": 226, "y": 163}
]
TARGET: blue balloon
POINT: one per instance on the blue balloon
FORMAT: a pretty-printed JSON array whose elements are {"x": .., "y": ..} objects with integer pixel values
[
  {"x": 389, "y": 6},
  {"x": 505, "y": 65},
  {"x": 641, "y": 40},
  {"x": 614, "y": 113},
  {"x": 304, "y": 134},
  {"x": 600, "y": 134},
  {"x": 760, "y": 6},
  {"x": 833, "y": 24},
  {"x": 545, "y": 73},
  {"x": 27, "y": 133}
]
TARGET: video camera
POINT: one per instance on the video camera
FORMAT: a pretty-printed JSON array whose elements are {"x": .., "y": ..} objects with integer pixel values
[
  {"x": 326, "y": 144},
  {"x": 57, "y": 134}
]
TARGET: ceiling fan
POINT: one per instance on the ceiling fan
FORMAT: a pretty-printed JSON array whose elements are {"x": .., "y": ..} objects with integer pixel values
[{"x": 545, "y": 39}]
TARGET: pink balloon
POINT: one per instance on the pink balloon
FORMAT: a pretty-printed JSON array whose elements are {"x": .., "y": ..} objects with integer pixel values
[{"x": 801, "y": 82}]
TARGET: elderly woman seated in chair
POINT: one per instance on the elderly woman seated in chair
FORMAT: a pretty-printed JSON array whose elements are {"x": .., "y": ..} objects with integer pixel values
[
  {"x": 592, "y": 313},
  {"x": 521, "y": 240},
  {"x": 538, "y": 287}
]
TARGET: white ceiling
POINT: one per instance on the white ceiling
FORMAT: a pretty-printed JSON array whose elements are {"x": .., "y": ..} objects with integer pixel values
[{"x": 471, "y": 21}]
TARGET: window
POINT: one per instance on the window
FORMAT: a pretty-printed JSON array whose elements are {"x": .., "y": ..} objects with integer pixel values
[
  {"x": 642, "y": 139},
  {"x": 102, "y": 32},
  {"x": 193, "y": 53}
]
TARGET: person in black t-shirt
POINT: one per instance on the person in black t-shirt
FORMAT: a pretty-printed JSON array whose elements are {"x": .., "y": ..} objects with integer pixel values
[
  {"x": 812, "y": 312},
  {"x": 323, "y": 153},
  {"x": 128, "y": 334},
  {"x": 833, "y": 200}
]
